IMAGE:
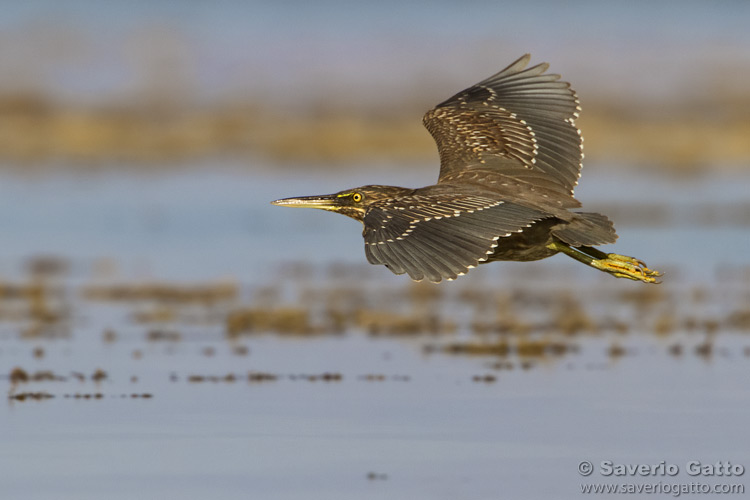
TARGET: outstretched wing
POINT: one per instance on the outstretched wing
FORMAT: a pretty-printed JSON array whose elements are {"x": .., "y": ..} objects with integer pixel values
[
  {"x": 438, "y": 236},
  {"x": 519, "y": 114}
]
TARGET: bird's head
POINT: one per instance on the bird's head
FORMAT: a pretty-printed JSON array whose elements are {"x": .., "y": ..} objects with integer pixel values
[{"x": 350, "y": 202}]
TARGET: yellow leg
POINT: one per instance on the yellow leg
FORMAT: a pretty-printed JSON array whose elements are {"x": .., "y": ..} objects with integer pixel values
[{"x": 620, "y": 266}]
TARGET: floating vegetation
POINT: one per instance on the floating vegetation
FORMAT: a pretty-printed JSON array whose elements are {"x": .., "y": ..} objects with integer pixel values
[
  {"x": 40, "y": 129},
  {"x": 704, "y": 349},
  {"x": 261, "y": 377},
  {"x": 157, "y": 335},
  {"x": 675, "y": 350},
  {"x": 158, "y": 314},
  {"x": 284, "y": 321},
  {"x": 323, "y": 377},
  {"x": 109, "y": 336},
  {"x": 506, "y": 325},
  {"x": 95, "y": 396},
  {"x": 256, "y": 377},
  {"x": 523, "y": 347},
  {"x": 207, "y": 294},
  {"x": 386, "y": 323},
  {"x": 376, "y": 476},
  {"x": 20, "y": 376},
  {"x": 37, "y": 301},
  {"x": 41, "y": 330},
  {"x": 500, "y": 348},
  {"x": 77, "y": 395},
  {"x": 99, "y": 396},
  {"x": 99, "y": 375},
  {"x": 31, "y": 396},
  {"x": 198, "y": 379},
  {"x": 739, "y": 319},
  {"x": 380, "y": 377},
  {"x": 572, "y": 319},
  {"x": 502, "y": 365},
  {"x": 240, "y": 350},
  {"x": 516, "y": 328}
]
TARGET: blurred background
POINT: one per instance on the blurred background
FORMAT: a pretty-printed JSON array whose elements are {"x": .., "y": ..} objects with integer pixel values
[
  {"x": 157, "y": 84},
  {"x": 165, "y": 332}
]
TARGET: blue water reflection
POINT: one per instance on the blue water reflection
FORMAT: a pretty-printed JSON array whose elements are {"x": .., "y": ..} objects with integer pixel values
[{"x": 432, "y": 434}]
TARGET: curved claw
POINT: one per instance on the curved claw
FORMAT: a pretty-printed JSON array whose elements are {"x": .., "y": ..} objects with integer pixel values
[{"x": 622, "y": 266}]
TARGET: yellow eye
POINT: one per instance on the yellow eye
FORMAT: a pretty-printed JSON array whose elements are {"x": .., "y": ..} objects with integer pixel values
[{"x": 356, "y": 197}]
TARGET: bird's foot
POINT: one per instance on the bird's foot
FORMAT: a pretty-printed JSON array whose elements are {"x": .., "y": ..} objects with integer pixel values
[
  {"x": 619, "y": 266},
  {"x": 622, "y": 266}
]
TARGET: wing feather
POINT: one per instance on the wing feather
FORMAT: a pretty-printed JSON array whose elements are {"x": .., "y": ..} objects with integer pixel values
[
  {"x": 520, "y": 113},
  {"x": 440, "y": 236}
]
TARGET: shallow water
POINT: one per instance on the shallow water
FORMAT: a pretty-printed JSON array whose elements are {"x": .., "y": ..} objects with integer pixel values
[{"x": 358, "y": 399}]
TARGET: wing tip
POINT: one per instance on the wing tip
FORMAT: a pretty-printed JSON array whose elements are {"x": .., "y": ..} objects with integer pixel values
[
  {"x": 518, "y": 65},
  {"x": 526, "y": 58}
]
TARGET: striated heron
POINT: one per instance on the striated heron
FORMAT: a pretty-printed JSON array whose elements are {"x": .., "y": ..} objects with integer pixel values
[{"x": 510, "y": 157}]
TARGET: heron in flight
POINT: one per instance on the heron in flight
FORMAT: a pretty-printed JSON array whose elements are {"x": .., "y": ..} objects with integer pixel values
[{"x": 510, "y": 158}]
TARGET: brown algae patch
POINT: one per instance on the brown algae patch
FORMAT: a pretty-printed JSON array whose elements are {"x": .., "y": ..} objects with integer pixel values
[
  {"x": 198, "y": 379},
  {"x": 260, "y": 377},
  {"x": 381, "y": 377},
  {"x": 523, "y": 347},
  {"x": 159, "y": 335},
  {"x": 284, "y": 321},
  {"x": 386, "y": 323},
  {"x": 31, "y": 396},
  {"x": 208, "y": 293},
  {"x": 99, "y": 375},
  {"x": 20, "y": 376},
  {"x": 520, "y": 325},
  {"x": 500, "y": 348},
  {"x": 240, "y": 350},
  {"x": 616, "y": 351}
]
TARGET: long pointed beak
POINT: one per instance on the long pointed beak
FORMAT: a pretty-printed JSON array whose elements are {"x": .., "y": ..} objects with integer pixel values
[{"x": 324, "y": 202}]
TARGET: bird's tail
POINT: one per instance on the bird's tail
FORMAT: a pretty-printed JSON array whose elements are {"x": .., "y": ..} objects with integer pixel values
[{"x": 586, "y": 229}]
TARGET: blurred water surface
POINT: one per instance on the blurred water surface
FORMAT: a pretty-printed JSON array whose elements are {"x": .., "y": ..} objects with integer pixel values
[{"x": 399, "y": 421}]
